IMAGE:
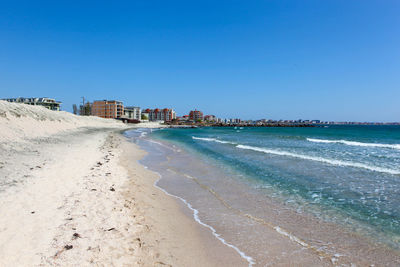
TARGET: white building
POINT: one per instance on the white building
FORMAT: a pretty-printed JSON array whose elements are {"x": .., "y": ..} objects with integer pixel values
[{"x": 133, "y": 113}]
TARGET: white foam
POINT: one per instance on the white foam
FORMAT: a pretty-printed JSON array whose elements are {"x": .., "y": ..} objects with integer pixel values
[
  {"x": 249, "y": 259},
  {"x": 354, "y": 143},
  {"x": 213, "y": 231},
  {"x": 320, "y": 159},
  {"x": 213, "y": 140},
  {"x": 197, "y": 219},
  {"x": 291, "y": 237},
  {"x": 161, "y": 144}
]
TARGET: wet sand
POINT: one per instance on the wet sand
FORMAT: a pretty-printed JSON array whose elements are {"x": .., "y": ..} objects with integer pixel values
[{"x": 168, "y": 233}]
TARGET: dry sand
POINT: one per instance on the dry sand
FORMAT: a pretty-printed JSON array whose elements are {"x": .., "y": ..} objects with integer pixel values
[{"x": 73, "y": 194}]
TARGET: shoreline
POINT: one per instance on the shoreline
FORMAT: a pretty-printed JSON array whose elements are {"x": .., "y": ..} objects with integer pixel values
[
  {"x": 279, "y": 239},
  {"x": 249, "y": 259},
  {"x": 190, "y": 187},
  {"x": 173, "y": 225},
  {"x": 78, "y": 191},
  {"x": 105, "y": 207}
]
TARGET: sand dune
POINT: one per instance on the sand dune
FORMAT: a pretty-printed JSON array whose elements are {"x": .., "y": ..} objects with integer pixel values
[
  {"x": 19, "y": 122},
  {"x": 49, "y": 164}
]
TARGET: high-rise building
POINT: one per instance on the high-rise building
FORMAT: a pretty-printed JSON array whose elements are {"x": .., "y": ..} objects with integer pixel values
[
  {"x": 165, "y": 114},
  {"x": 196, "y": 115},
  {"x": 108, "y": 109}
]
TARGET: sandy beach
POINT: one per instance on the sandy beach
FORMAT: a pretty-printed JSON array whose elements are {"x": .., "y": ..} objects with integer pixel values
[
  {"x": 167, "y": 233},
  {"x": 73, "y": 194}
]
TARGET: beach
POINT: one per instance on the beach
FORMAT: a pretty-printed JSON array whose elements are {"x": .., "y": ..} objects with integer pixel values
[
  {"x": 73, "y": 194},
  {"x": 83, "y": 191},
  {"x": 168, "y": 233},
  {"x": 200, "y": 133}
]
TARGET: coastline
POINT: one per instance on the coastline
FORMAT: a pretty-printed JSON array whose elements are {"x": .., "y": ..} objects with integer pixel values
[
  {"x": 309, "y": 240},
  {"x": 277, "y": 244},
  {"x": 169, "y": 234},
  {"x": 85, "y": 193},
  {"x": 103, "y": 207}
]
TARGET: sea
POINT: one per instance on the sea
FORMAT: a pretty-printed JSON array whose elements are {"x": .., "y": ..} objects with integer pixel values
[{"x": 331, "y": 191}]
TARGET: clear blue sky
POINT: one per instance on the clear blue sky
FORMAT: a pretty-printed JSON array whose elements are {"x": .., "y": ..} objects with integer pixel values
[{"x": 310, "y": 59}]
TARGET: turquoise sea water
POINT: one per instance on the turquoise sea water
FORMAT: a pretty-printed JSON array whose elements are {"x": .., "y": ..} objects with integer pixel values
[{"x": 347, "y": 175}]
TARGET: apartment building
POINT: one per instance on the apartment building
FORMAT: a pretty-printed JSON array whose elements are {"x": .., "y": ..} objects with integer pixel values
[
  {"x": 165, "y": 114},
  {"x": 210, "y": 118},
  {"x": 196, "y": 115},
  {"x": 46, "y": 102},
  {"x": 133, "y": 113},
  {"x": 108, "y": 109}
]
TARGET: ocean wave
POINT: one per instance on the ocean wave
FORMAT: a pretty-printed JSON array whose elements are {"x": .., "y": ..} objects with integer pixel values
[
  {"x": 354, "y": 143},
  {"x": 213, "y": 140},
  {"x": 320, "y": 159}
]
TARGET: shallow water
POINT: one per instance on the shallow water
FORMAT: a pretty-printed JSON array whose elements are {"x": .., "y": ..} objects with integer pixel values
[{"x": 332, "y": 191}]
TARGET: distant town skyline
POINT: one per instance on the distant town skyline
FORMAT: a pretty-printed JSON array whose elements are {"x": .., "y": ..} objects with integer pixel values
[{"x": 325, "y": 60}]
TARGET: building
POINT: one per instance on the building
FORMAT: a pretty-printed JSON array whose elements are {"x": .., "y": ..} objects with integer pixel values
[
  {"x": 86, "y": 109},
  {"x": 133, "y": 113},
  {"x": 46, "y": 102},
  {"x": 151, "y": 114},
  {"x": 232, "y": 121},
  {"x": 165, "y": 114},
  {"x": 210, "y": 118},
  {"x": 108, "y": 109},
  {"x": 196, "y": 115},
  {"x": 183, "y": 119}
]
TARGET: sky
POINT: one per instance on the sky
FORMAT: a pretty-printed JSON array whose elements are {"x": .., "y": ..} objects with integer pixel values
[{"x": 275, "y": 59}]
